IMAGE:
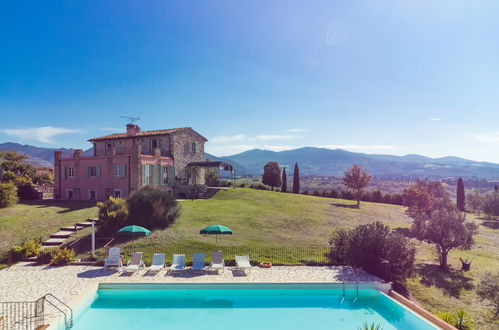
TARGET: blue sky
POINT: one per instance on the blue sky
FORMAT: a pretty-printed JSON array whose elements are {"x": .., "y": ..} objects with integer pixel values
[{"x": 393, "y": 77}]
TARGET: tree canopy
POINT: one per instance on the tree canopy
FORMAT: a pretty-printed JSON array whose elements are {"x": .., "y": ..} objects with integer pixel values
[
  {"x": 272, "y": 175},
  {"x": 446, "y": 227},
  {"x": 357, "y": 179}
]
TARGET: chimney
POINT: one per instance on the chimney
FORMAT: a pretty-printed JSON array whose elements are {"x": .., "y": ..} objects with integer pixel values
[{"x": 132, "y": 129}]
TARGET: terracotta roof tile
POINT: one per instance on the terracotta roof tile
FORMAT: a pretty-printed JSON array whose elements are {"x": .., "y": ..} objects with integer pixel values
[{"x": 142, "y": 133}]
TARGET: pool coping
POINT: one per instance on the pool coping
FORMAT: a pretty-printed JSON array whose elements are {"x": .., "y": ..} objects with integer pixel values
[{"x": 82, "y": 300}]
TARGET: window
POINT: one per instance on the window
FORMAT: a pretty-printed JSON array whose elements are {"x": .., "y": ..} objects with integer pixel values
[
  {"x": 154, "y": 144},
  {"x": 119, "y": 170},
  {"x": 117, "y": 193},
  {"x": 92, "y": 194},
  {"x": 69, "y": 172},
  {"x": 192, "y": 147},
  {"x": 70, "y": 194},
  {"x": 164, "y": 175},
  {"x": 92, "y": 171}
]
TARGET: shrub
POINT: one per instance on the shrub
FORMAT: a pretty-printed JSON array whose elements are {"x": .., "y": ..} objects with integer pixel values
[
  {"x": 8, "y": 194},
  {"x": 113, "y": 214},
  {"x": 32, "y": 247},
  {"x": 17, "y": 253},
  {"x": 45, "y": 255},
  {"x": 151, "y": 208},
  {"x": 376, "y": 249},
  {"x": 26, "y": 191},
  {"x": 334, "y": 193},
  {"x": 258, "y": 186},
  {"x": 459, "y": 319},
  {"x": 62, "y": 257},
  {"x": 316, "y": 193},
  {"x": 488, "y": 288}
]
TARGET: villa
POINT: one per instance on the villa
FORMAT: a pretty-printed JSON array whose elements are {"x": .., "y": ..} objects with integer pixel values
[{"x": 169, "y": 159}]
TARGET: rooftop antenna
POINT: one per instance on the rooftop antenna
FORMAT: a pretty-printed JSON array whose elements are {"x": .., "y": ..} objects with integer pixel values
[{"x": 131, "y": 119}]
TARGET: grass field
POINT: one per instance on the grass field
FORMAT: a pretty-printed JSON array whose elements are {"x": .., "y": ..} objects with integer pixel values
[
  {"x": 32, "y": 220},
  {"x": 272, "y": 220}
]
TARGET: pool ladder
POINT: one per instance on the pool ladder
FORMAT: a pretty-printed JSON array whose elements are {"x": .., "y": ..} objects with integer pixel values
[
  {"x": 352, "y": 273},
  {"x": 62, "y": 308}
]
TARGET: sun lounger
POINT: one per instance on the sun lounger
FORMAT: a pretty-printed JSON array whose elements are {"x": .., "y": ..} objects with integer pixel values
[
  {"x": 198, "y": 262},
  {"x": 134, "y": 264},
  {"x": 113, "y": 258},
  {"x": 243, "y": 263},
  {"x": 217, "y": 262},
  {"x": 178, "y": 263},
  {"x": 158, "y": 263}
]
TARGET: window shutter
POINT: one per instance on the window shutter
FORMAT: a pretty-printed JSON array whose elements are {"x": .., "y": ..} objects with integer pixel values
[
  {"x": 144, "y": 175},
  {"x": 161, "y": 175},
  {"x": 171, "y": 175},
  {"x": 97, "y": 171},
  {"x": 86, "y": 171},
  {"x": 65, "y": 172},
  {"x": 121, "y": 170},
  {"x": 155, "y": 174}
]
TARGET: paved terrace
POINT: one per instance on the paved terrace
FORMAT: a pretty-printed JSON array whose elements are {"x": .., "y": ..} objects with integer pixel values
[{"x": 25, "y": 282}]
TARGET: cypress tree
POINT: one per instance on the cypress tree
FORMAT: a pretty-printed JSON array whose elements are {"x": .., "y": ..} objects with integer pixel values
[
  {"x": 296, "y": 179},
  {"x": 460, "y": 195},
  {"x": 284, "y": 187}
]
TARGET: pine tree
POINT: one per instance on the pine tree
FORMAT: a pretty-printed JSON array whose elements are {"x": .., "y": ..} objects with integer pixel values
[
  {"x": 296, "y": 179},
  {"x": 460, "y": 198},
  {"x": 284, "y": 187}
]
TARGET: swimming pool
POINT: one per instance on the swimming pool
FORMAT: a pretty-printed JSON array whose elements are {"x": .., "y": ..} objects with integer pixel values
[{"x": 241, "y": 307}]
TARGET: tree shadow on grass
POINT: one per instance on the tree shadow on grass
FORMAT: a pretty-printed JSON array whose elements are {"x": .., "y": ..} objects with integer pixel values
[
  {"x": 406, "y": 232},
  {"x": 69, "y": 206},
  {"x": 491, "y": 224},
  {"x": 451, "y": 283},
  {"x": 349, "y": 206}
]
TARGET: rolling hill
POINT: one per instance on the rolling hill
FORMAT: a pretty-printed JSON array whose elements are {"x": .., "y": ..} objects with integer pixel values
[{"x": 317, "y": 161}]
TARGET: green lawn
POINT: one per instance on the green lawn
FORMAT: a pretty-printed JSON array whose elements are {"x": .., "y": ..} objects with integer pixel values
[
  {"x": 39, "y": 219},
  {"x": 269, "y": 221}
]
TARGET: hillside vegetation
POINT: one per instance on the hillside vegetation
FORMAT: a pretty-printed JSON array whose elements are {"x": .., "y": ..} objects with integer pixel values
[{"x": 272, "y": 219}]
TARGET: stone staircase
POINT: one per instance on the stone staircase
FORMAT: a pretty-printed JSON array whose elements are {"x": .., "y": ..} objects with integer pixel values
[
  {"x": 65, "y": 233},
  {"x": 210, "y": 192}
]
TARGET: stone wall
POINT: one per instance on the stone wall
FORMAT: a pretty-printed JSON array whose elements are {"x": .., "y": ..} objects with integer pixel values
[{"x": 181, "y": 154}]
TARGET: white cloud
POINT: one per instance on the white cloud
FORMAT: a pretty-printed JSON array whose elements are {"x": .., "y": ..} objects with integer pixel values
[
  {"x": 227, "y": 139},
  {"x": 360, "y": 147},
  {"x": 435, "y": 119},
  {"x": 490, "y": 138},
  {"x": 43, "y": 134},
  {"x": 296, "y": 130},
  {"x": 272, "y": 137}
]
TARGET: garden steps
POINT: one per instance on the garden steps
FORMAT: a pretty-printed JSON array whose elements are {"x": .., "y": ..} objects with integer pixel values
[
  {"x": 62, "y": 234},
  {"x": 85, "y": 224},
  {"x": 54, "y": 242},
  {"x": 71, "y": 228}
]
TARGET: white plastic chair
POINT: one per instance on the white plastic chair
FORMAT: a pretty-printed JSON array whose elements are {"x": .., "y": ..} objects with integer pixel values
[
  {"x": 243, "y": 263},
  {"x": 178, "y": 262},
  {"x": 158, "y": 262},
  {"x": 217, "y": 261},
  {"x": 113, "y": 258},
  {"x": 135, "y": 263}
]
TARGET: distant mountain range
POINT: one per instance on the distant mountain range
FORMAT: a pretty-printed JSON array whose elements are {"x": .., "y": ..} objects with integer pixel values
[
  {"x": 318, "y": 161},
  {"x": 38, "y": 156}
]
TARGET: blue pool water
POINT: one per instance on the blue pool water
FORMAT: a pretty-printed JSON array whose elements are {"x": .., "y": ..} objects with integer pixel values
[{"x": 242, "y": 307}]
